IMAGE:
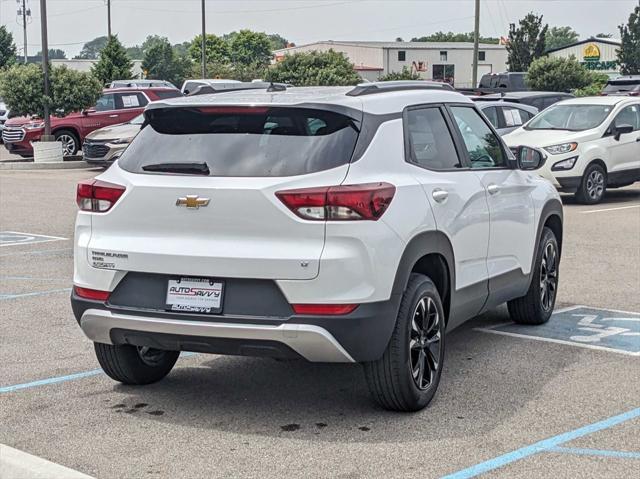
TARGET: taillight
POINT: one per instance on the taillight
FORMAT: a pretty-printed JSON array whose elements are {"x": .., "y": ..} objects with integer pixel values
[
  {"x": 339, "y": 203},
  {"x": 97, "y": 196},
  {"x": 92, "y": 294},
  {"x": 324, "y": 309},
  {"x": 634, "y": 93}
]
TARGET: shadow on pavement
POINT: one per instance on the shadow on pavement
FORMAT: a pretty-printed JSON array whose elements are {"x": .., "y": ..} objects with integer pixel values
[{"x": 486, "y": 380}]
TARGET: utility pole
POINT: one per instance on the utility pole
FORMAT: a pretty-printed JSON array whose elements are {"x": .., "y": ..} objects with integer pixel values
[
  {"x": 476, "y": 40},
  {"x": 204, "y": 43},
  {"x": 109, "y": 19},
  {"x": 25, "y": 13},
  {"x": 45, "y": 68}
]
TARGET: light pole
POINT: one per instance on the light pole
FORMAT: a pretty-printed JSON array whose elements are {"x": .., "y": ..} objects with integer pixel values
[
  {"x": 476, "y": 41},
  {"x": 204, "y": 43},
  {"x": 109, "y": 19},
  {"x": 45, "y": 68}
]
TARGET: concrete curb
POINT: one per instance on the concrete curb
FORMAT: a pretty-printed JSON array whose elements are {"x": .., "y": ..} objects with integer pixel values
[
  {"x": 66, "y": 165},
  {"x": 15, "y": 464}
]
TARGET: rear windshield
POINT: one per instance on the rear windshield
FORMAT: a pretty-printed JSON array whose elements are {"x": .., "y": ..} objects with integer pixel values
[
  {"x": 615, "y": 86},
  {"x": 243, "y": 141}
]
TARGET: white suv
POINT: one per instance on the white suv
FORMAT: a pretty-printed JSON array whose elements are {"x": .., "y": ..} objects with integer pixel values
[
  {"x": 594, "y": 144},
  {"x": 336, "y": 224}
]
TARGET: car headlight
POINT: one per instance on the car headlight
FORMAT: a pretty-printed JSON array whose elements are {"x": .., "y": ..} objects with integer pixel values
[
  {"x": 121, "y": 141},
  {"x": 561, "y": 148},
  {"x": 564, "y": 164},
  {"x": 34, "y": 125}
]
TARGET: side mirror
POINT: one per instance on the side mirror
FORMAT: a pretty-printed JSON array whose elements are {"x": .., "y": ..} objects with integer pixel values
[
  {"x": 529, "y": 158},
  {"x": 619, "y": 130}
]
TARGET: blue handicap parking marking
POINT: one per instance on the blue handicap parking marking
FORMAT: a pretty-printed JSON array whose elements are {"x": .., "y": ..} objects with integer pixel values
[
  {"x": 594, "y": 328},
  {"x": 13, "y": 238}
]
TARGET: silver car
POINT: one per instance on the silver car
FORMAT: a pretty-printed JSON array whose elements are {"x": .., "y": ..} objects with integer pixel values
[
  {"x": 105, "y": 145},
  {"x": 4, "y": 116},
  {"x": 506, "y": 117}
]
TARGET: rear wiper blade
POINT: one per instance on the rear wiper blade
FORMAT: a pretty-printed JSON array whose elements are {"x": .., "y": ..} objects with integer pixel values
[{"x": 183, "y": 168}]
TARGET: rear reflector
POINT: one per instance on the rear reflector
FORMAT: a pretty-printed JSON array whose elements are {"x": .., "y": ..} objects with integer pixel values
[
  {"x": 339, "y": 203},
  {"x": 92, "y": 294},
  {"x": 97, "y": 196},
  {"x": 324, "y": 309}
]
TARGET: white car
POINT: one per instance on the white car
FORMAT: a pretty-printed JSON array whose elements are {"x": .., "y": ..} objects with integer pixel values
[
  {"x": 4, "y": 116},
  {"x": 334, "y": 224},
  {"x": 593, "y": 144}
]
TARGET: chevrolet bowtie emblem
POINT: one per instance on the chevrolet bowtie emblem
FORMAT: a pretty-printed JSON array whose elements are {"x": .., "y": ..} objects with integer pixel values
[{"x": 192, "y": 201}]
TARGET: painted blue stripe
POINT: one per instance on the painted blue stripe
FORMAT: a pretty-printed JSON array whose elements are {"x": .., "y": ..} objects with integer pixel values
[
  {"x": 543, "y": 445},
  {"x": 596, "y": 452},
  {"x": 44, "y": 382},
  {"x": 68, "y": 377},
  {"x": 35, "y": 293}
]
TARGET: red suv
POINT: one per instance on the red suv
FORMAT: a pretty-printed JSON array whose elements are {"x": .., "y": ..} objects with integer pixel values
[{"x": 116, "y": 105}]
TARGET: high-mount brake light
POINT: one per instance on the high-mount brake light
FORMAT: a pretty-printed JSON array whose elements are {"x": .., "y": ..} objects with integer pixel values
[
  {"x": 339, "y": 203},
  {"x": 97, "y": 196}
]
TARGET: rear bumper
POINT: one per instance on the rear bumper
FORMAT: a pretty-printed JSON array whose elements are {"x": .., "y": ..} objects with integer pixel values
[
  {"x": 356, "y": 337},
  {"x": 311, "y": 342}
]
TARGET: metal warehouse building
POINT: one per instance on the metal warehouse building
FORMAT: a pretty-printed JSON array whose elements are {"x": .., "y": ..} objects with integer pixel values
[
  {"x": 449, "y": 61},
  {"x": 599, "y": 54}
]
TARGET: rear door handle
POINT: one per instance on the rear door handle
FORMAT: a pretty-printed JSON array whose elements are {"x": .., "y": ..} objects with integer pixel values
[
  {"x": 638, "y": 139},
  {"x": 439, "y": 195},
  {"x": 493, "y": 189}
]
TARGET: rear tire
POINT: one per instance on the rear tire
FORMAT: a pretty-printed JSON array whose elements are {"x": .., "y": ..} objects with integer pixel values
[
  {"x": 593, "y": 185},
  {"x": 406, "y": 377},
  {"x": 135, "y": 365},
  {"x": 537, "y": 305}
]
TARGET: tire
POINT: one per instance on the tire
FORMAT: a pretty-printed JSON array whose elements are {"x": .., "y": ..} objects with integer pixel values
[
  {"x": 392, "y": 380},
  {"x": 134, "y": 364},
  {"x": 536, "y": 306},
  {"x": 70, "y": 142},
  {"x": 593, "y": 185}
]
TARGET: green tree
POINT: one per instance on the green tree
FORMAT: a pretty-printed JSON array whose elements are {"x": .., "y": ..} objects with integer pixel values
[
  {"x": 113, "y": 62},
  {"x": 453, "y": 37},
  {"x": 161, "y": 62},
  {"x": 558, "y": 37},
  {"x": 91, "y": 50},
  {"x": 526, "y": 42},
  {"x": 7, "y": 48},
  {"x": 598, "y": 81},
  {"x": 54, "y": 54},
  {"x": 559, "y": 74},
  {"x": 22, "y": 88},
  {"x": 250, "y": 48},
  {"x": 217, "y": 50},
  {"x": 405, "y": 74},
  {"x": 314, "y": 68},
  {"x": 604, "y": 35},
  {"x": 278, "y": 42},
  {"x": 135, "y": 52},
  {"x": 629, "y": 51}
]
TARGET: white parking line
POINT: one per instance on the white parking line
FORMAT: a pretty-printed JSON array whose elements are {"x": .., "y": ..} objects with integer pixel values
[
  {"x": 16, "y": 464},
  {"x": 610, "y": 209}
]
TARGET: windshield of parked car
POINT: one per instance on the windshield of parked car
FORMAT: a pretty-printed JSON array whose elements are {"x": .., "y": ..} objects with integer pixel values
[
  {"x": 570, "y": 117},
  {"x": 242, "y": 141}
]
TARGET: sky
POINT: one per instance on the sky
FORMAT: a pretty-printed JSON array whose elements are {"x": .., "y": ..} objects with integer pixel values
[{"x": 71, "y": 23}]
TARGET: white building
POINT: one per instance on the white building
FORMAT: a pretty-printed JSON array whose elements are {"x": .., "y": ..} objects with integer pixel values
[
  {"x": 595, "y": 53},
  {"x": 85, "y": 66},
  {"x": 448, "y": 61}
]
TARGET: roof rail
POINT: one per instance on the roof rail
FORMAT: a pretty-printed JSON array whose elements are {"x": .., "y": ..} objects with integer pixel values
[
  {"x": 213, "y": 88},
  {"x": 401, "y": 85}
]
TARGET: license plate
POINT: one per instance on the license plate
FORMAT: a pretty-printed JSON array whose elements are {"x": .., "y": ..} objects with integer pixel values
[{"x": 195, "y": 295}]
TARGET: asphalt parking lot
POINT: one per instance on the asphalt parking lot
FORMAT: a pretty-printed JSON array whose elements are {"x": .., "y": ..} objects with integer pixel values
[{"x": 563, "y": 401}]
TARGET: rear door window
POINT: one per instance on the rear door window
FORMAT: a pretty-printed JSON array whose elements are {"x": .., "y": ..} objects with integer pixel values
[
  {"x": 244, "y": 141},
  {"x": 430, "y": 144},
  {"x": 513, "y": 116},
  {"x": 492, "y": 115},
  {"x": 130, "y": 100}
]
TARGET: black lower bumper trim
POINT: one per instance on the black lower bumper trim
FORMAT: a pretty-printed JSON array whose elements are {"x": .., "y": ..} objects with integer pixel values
[{"x": 569, "y": 184}]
